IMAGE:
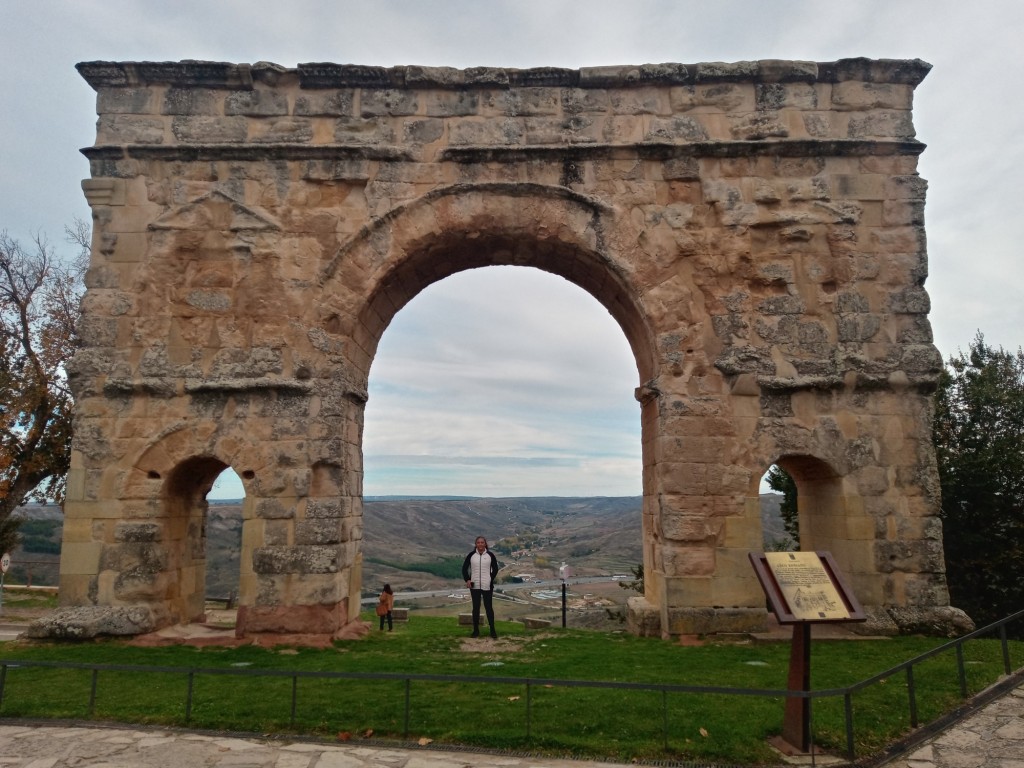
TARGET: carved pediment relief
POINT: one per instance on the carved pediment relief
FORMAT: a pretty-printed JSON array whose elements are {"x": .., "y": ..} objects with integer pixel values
[{"x": 216, "y": 211}]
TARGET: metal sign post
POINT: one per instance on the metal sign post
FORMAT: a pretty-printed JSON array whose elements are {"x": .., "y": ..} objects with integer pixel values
[
  {"x": 803, "y": 588},
  {"x": 564, "y": 571}
]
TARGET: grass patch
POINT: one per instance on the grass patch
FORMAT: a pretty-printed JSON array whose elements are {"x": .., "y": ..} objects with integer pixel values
[
  {"x": 18, "y": 599},
  {"x": 621, "y": 724},
  {"x": 445, "y": 567}
]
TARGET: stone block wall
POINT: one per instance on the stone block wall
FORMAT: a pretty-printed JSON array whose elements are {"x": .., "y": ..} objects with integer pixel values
[{"x": 755, "y": 228}]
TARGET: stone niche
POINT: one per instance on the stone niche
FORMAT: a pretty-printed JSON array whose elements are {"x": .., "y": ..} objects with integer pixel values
[{"x": 756, "y": 229}]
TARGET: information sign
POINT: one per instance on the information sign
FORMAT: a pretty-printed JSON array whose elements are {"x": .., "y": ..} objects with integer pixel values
[{"x": 806, "y": 586}]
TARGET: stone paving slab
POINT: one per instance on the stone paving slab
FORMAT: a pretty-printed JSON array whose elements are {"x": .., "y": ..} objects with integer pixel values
[{"x": 31, "y": 746}]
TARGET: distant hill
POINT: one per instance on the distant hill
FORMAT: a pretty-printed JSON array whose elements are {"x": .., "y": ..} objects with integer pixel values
[
  {"x": 418, "y": 543},
  {"x": 409, "y": 543}
]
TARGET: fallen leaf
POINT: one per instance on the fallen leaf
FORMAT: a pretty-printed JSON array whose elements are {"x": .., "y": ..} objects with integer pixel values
[
  {"x": 513, "y": 698},
  {"x": 424, "y": 741},
  {"x": 704, "y": 733},
  {"x": 368, "y": 733},
  {"x": 344, "y": 736}
]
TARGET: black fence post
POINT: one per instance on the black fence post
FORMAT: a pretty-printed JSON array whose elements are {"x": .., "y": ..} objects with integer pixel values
[
  {"x": 188, "y": 700},
  {"x": 529, "y": 696},
  {"x": 92, "y": 691},
  {"x": 848, "y": 711},
  {"x": 912, "y": 693},
  {"x": 961, "y": 671},
  {"x": 295, "y": 693},
  {"x": 664, "y": 717},
  {"x": 1006, "y": 649},
  {"x": 408, "y": 682}
]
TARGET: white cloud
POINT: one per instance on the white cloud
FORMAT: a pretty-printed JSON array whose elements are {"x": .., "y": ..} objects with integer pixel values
[{"x": 507, "y": 369}]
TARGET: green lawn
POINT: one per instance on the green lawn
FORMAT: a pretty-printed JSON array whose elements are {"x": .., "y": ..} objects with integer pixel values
[{"x": 611, "y": 723}]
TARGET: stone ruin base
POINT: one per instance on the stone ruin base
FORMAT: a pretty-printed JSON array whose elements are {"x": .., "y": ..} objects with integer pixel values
[
  {"x": 290, "y": 628},
  {"x": 644, "y": 619},
  {"x": 87, "y": 622},
  {"x": 139, "y": 622},
  {"x": 322, "y": 619}
]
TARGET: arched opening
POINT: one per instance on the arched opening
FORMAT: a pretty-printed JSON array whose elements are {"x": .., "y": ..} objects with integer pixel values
[
  {"x": 778, "y": 496},
  {"x": 503, "y": 383},
  {"x": 224, "y": 539},
  {"x": 821, "y": 509},
  {"x": 832, "y": 519},
  {"x": 184, "y": 536},
  {"x": 449, "y": 231}
]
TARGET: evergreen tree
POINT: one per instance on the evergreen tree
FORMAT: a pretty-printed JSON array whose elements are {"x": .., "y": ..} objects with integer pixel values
[
  {"x": 979, "y": 444},
  {"x": 780, "y": 481}
]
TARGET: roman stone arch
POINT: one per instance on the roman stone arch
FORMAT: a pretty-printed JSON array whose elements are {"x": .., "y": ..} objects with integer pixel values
[{"x": 755, "y": 228}]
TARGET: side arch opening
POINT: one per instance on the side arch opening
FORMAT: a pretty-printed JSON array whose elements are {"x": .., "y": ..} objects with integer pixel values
[
  {"x": 185, "y": 533},
  {"x": 821, "y": 505}
]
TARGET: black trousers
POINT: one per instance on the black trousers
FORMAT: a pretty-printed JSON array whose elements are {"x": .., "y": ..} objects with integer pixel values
[
  {"x": 487, "y": 595},
  {"x": 388, "y": 617}
]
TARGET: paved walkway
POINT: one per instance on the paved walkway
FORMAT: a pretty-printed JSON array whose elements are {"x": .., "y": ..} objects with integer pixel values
[
  {"x": 76, "y": 747},
  {"x": 992, "y": 737}
]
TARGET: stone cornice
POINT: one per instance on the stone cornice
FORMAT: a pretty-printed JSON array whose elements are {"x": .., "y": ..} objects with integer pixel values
[
  {"x": 667, "y": 151},
  {"x": 509, "y": 154},
  {"x": 254, "y": 152},
  {"x": 223, "y": 75}
]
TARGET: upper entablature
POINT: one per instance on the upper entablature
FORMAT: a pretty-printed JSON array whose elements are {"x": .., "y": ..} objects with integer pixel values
[{"x": 224, "y": 75}]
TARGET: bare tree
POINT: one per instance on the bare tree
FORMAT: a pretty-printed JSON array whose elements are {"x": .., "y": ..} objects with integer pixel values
[{"x": 39, "y": 303}]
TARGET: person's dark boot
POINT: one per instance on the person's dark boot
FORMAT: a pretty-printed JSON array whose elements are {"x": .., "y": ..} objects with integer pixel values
[
  {"x": 476, "y": 631},
  {"x": 493, "y": 633}
]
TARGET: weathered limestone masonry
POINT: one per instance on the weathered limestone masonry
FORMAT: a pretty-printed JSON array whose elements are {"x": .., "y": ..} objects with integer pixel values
[{"x": 755, "y": 228}]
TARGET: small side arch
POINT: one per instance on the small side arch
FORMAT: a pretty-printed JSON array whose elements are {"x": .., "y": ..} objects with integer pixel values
[
  {"x": 832, "y": 518},
  {"x": 159, "y": 551}
]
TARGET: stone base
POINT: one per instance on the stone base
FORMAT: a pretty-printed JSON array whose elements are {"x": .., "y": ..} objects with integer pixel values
[
  {"x": 934, "y": 621},
  {"x": 716, "y": 621},
  {"x": 291, "y": 619},
  {"x": 354, "y": 630},
  {"x": 532, "y": 623},
  {"x": 87, "y": 622},
  {"x": 642, "y": 618},
  {"x": 879, "y": 623}
]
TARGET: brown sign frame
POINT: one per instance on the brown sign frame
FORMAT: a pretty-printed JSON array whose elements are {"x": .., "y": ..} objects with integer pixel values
[{"x": 780, "y": 606}]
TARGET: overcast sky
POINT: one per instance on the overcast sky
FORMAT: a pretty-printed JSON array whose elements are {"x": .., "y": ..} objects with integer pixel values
[{"x": 535, "y": 395}]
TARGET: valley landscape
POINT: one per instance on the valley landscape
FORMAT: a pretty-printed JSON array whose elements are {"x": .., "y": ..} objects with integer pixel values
[{"x": 417, "y": 544}]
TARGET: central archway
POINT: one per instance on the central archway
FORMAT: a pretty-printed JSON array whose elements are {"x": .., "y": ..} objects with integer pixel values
[
  {"x": 473, "y": 226},
  {"x": 493, "y": 391}
]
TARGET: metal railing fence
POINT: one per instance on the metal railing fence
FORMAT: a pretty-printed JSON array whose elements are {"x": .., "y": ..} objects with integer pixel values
[{"x": 906, "y": 668}]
